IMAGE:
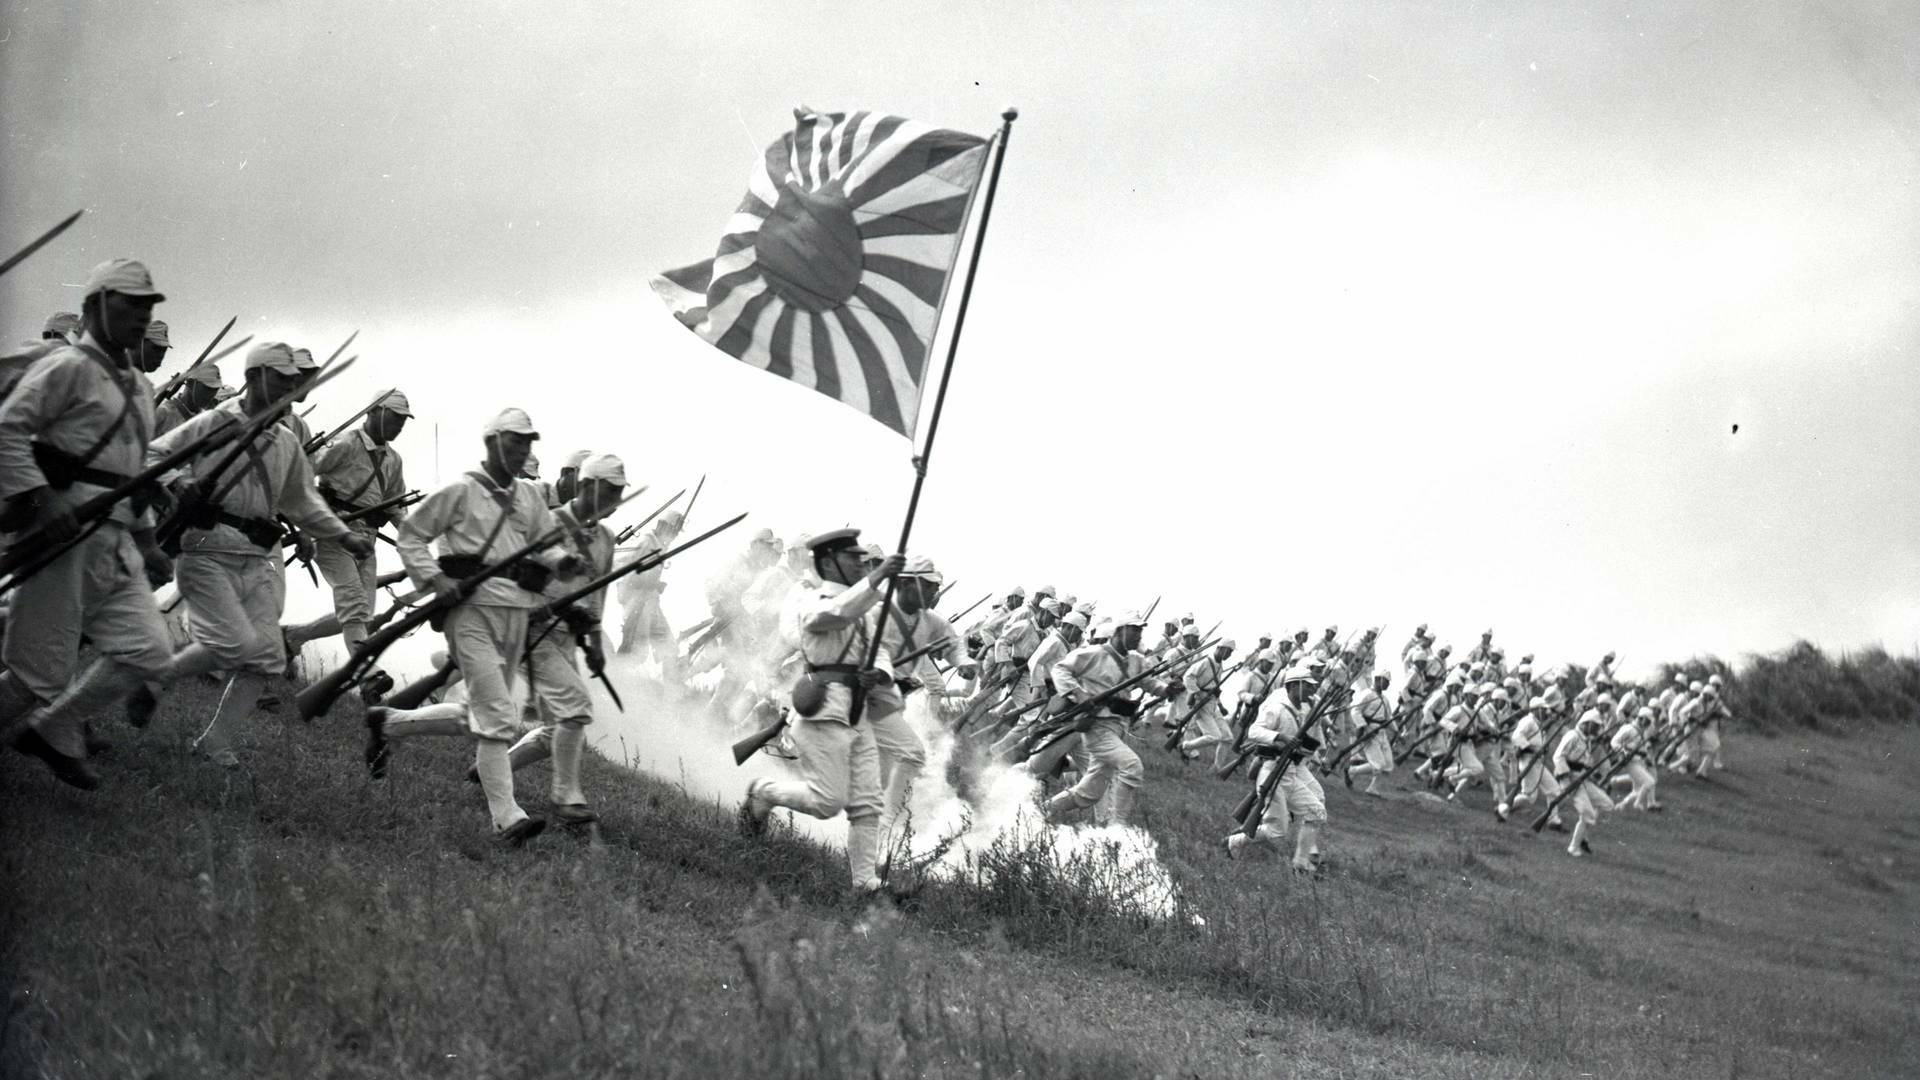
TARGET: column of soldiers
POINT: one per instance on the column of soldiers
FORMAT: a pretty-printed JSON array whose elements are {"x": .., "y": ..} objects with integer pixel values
[{"x": 1052, "y": 688}]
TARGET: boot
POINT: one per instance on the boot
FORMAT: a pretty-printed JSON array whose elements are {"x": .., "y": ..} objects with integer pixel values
[
  {"x": 1306, "y": 848},
  {"x": 569, "y": 736},
  {"x": 863, "y": 853},
  {"x": 496, "y": 779}
]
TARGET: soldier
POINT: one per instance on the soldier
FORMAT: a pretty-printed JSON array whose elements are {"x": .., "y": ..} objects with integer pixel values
[
  {"x": 357, "y": 471},
  {"x": 1012, "y": 651},
  {"x": 1114, "y": 772},
  {"x": 1204, "y": 682},
  {"x": 153, "y": 347},
  {"x": 559, "y": 693},
  {"x": 1530, "y": 756},
  {"x": 644, "y": 630},
  {"x": 198, "y": 392},
  {"x": 1064, "y": 638},
  {"x": 1370, "y": 710},
  {"x": 1298, "y": 794},
  {"x": 486, "y": 514},
  {"x": 1479, "y": 754},
  {"x": 564, "y": 484},
  {"x": 62, "y": 328},
  {"x": 229, "y": 568},
  {"x": 1577, "y": 750},
  {"x": 1482, "y": 652},
  {"x": 1630, "y": 740},
  {"x": 838, "y": 762},
  {"x": 76, "y": 425},
  {"x": 911, "y": 626},
  {"x": 1328, "y": 646}
]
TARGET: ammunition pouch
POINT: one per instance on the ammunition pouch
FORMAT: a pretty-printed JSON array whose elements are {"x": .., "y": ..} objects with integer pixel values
[
  {"x": 526, "y": 573},
  {"x": 1123, "y": 707},
  {"x": 809, "y": 692},
  {"x": 460, "y": 567},
  {"x": 263, "y": 533}
]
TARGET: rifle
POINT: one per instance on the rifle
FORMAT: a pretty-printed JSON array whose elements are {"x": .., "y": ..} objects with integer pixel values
[
  {"x": 319, "y": 441},
  {"x": 226, "y": 352},
  {"x": 425, "y": 591},
  {"x": 398, "y": 502},
  {"x": 970, "y": 607},
  {"x": 696, "y": 628},
  {"x": 319, "y": 697},
  {"x": 1078, "y": 718},
  {"x": 415, "y": 693},
  {"x": 627, "y": 533},
  {"x": 180, "y": 377},
  {"x": 657, "y": 511},
  {"x": 1173, "y": 738},
  {"x": 39, "y": 242},
  {"x": 30, "y": 553},
  {"x": 1254, "y": 806},
  {"x": 640, "y": 565},
  {"x": 1567, "y": 792},
  {"x": 942, "y": 594},
  {"x": 1326, "y": 692},
  {"x": 203, "y": 494},
  {"x": 341, "y": 349}
]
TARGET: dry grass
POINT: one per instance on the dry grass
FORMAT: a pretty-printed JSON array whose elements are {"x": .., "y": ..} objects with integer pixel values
[{"x": 298, "y": 921}]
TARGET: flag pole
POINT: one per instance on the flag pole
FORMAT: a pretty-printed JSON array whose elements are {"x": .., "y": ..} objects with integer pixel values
[{"x": 939, "y": 398}]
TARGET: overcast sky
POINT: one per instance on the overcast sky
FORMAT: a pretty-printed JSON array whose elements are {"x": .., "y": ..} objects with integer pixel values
[{"x": 1296, "y": 313}]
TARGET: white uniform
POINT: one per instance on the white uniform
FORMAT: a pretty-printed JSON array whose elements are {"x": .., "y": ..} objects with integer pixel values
[
  {"x": 837, "y": 765},
  {"x": 1298, "y": 794},
  {"x": 559, "y": 693},
  {"x": 1209, "y": 724},
  {"x": 475, "y": 516},
  {"x": 1376, "y": 754},
  {"x": 1571, "y": 759},
  {"x": 1529, "y": 742},
  {"x": 359, "y": 473},
  {"x": 72, "y": 399},
  {"x": 1629, "y": 740},
  {"x": 230, "y": 573},
  {"x": 1114, "y": 771}
]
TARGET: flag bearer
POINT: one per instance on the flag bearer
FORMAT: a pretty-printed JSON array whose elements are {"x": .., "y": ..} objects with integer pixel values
[{"x": 832, "y": 623}]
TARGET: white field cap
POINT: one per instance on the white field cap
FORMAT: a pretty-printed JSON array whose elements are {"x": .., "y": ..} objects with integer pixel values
[
  {"x": 1040, "y": 589},
  {"x": 1019, "y": 591},
  {"x": 920, "y": 566},
  {"x": 62, "y": 322},
  {"x": 303, "y": 359},
  {"x": 396, "y": 403},
  {"x": 575, "y": 460},
  {"x": 510, "y": 419},
  {"x": 206, "y": 375},
  {"x": 1229, "y": 644},
  {"x": 1131, "y": 618},
  {"x": 1296, "y": 674},
  {"x": 124, "y": 276},
  {"x": 275, "y": 355},
  {"x": 157, "y": 333},
  {"x": 606, "y": 467},
  {"x": 1074, "y": 618}
]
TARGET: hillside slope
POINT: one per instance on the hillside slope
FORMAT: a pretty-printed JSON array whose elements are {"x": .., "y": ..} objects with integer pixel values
[{"x": 295, "y": 920}]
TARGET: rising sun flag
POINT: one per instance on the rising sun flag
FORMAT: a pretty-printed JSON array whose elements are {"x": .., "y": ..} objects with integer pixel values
[{"x": 832, "y": 271}]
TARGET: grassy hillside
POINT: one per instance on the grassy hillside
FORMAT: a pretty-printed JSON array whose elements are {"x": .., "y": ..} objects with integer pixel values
[{"x": 296, "y": 920}]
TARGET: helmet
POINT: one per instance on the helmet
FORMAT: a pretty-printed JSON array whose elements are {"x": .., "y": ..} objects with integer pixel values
[
  {"x": 1714, "y": 679},
  {"x": 1604, "y": 700},
  {"x": 1696, "y": 686},
  {"x": 1537, "y": 703},
  {"x": 1501, "y": 697},
  {"x": 1644, "y": 713}
]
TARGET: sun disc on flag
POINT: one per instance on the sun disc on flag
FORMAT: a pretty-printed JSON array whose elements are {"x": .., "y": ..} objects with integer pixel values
[{"x": 832, "y": 269}]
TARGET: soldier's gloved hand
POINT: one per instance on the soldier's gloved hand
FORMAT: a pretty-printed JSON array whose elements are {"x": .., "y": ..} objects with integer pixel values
[
  {"x": 159, "y": 568},
  {"x": 356, "y": 545},
  {"x": 968, "y": 671},
  {"x": 888, "y": 567},
  {"x": 872, "y": 677},
  {"x": 444, "y": 587},
  {"x": 595, "y": 654},
  {"x": 303, "y": 545}
]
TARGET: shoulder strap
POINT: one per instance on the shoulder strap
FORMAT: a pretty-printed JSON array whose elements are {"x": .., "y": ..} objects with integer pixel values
[{"x": 126, "y": 405}]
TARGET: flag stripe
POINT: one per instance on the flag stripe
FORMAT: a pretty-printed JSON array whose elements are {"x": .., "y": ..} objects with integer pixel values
[
  {"x": 826, "y": 369},
  {"x": 922, "y": 281},
  {"x": 779, "y": 357},
  {"x": 913, "y": 350},
  {"x": 882, "y": 403},
  {"x": 902, "y": 356},
  {"x": 939, "y": 216}
]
